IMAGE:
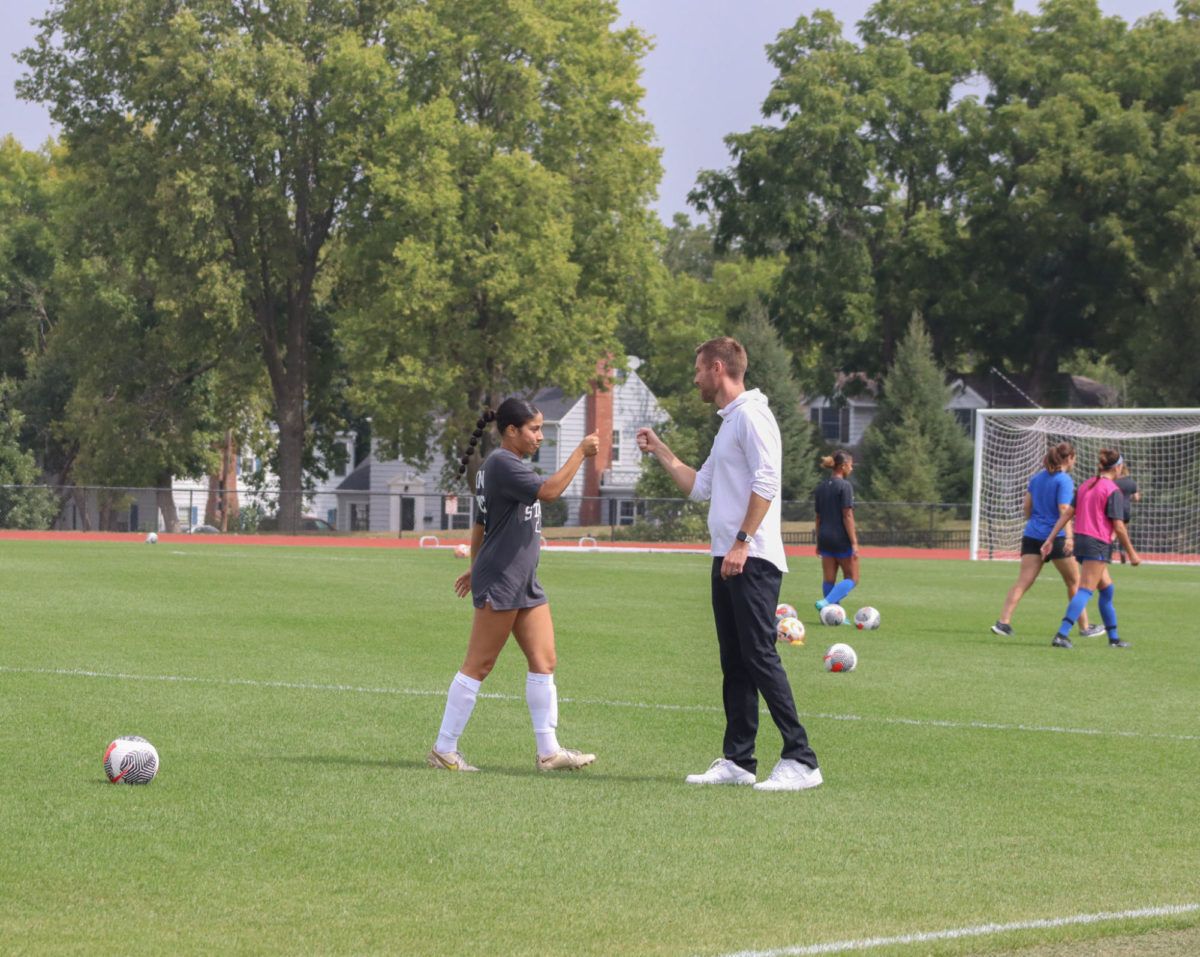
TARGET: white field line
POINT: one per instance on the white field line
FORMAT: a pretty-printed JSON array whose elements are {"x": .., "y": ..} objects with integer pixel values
[
  {"x": 599, "y": 702},
  {"x": 980, "y": 930}
]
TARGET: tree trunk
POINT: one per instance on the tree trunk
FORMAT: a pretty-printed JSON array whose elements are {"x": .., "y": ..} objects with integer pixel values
[
  {"x": 290, "y": 412},
  {"x": 166, "y": 502}
]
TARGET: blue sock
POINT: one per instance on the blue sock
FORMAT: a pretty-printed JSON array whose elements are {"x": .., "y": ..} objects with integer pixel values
[
  {"x": 826, "y": 588},
  {"x": 841, "y": 590},
  {"x": 1074, "y": 610},
  {"x": 1108, "y": 612}
]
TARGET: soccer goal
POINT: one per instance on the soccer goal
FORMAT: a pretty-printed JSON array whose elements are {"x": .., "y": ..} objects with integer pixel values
[{"x": 1161, "y": 447}]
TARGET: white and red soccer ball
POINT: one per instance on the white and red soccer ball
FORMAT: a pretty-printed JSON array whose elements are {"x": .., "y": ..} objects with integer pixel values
[
  {"x": 866, "y": 618},
  {"x": 130, "y": 760},
  {"x": 840, "y": 657}
]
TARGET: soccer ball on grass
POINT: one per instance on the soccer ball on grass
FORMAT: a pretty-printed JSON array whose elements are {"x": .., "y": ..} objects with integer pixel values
[
  {"x": 784, "y": 610},
  {"x": 833, "y": 615},
  {"x": 866, "y": 618},
  {"x": 790, "y": 629},
  {"x": 840, "y": 657},
  {"x": 151, "y": 538},
  {"x": 130, "y": 760}
]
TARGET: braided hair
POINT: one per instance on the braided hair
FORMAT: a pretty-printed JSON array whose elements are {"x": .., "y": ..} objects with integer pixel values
[
  {"x": 513, "y": 411},
  {"x": 480, "y": 424}
]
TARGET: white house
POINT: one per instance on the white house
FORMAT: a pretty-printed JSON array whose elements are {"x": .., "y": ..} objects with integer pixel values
[
  {"x": 844, "y": 418},
  {"x": 388, "y": 495}
]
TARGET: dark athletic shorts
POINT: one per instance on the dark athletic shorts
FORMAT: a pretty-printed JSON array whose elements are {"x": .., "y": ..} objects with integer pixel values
[
  {"x": 1088, "y": 549},
  {"x": 1033, "y": 546}
]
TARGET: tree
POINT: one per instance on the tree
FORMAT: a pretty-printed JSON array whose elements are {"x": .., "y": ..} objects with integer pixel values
[
  {"x": 1023, "y": 180},
  {"x": 506, "y": 239},
  {"x": 769, "y": 369},
  {"x": 31, "y": 506},
  {"x": 854, "y": 180},
  {"x": 912, "y": 419},
  {"x": 231, "y": 139}
]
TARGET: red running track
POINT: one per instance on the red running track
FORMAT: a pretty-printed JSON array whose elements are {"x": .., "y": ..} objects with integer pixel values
[{"x": 338, "y": 541}]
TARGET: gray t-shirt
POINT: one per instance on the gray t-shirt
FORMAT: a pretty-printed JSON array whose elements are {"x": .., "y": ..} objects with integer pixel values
[{"x": 505, "y": 570}]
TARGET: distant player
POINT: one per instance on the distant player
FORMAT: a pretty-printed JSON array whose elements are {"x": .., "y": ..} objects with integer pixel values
[
  {"x": 1048, "y": 496},
  {"x": 837, "y": 537},
  {"x": 1129, "y": 488},
  {"x": 505, "y": 546},
  {"x": 1098, "y": 512}
]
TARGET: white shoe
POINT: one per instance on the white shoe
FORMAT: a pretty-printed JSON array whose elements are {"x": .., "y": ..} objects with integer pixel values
[
  {"x": 722, "y": 771},
  {"x": 790, "y": 775}
]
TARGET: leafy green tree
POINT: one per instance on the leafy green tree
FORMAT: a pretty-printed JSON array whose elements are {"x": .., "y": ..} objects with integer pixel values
[
  {"x": 853, "y": 180},
  {"x": 769, "y": 369},
  {"x": 507, "y": 238},
  {"x": 912, "y": 418},
  {"x": 1023, "y": 180},
  {"x": 231, "y": 139},
  {"x": 20, "y": 507}
]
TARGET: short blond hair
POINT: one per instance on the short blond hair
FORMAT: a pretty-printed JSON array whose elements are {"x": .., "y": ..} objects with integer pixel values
[{"x": 729, "y": 351}]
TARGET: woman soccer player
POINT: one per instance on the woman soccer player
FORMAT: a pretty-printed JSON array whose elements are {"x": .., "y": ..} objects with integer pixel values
[
  {"x": 1097, "y": 511},
  {"x": 837, "y": 538},
  {"x": 505, "y": 546},
  {"x": 1048, "y": 495}
]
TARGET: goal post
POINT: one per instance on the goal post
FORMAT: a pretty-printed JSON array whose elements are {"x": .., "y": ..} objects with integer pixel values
[{"x": 1161, "y": 447}]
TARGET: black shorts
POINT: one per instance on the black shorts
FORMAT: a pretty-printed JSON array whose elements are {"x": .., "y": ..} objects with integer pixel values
[
  {"x": 1033, "y": 546},
  {"x": 1088, "y": 549}
]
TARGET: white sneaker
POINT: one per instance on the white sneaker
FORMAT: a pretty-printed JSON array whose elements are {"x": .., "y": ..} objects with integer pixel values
[
  {"x": 722, "y": 771},
  {"x": 790, "y": 775}
]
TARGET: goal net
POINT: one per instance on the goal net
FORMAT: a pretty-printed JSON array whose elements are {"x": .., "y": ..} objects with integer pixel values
[{"x": 1161, "y": 447}]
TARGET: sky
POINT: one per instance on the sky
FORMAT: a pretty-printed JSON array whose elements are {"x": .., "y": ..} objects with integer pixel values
[{"x": 705, "y": 78}]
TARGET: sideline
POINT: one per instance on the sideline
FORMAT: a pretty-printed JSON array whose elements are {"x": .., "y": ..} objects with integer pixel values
[
  {"x": 603, "y": 703},
  {"x": 980, "y": 930}
]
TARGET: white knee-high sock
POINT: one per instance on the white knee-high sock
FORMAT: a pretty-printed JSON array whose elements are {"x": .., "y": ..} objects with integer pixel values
[
  {"x": 541, "y": 694},
  {"x": 460, "y": 702}
]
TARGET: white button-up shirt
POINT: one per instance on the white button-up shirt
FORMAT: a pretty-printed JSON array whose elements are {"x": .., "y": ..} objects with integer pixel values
[{"x": 747, "y": 456}]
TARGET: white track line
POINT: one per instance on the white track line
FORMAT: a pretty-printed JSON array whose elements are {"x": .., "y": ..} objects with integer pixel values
[
  {"x": 599, "y": 702},
  {"x": 981, "y": 930}
]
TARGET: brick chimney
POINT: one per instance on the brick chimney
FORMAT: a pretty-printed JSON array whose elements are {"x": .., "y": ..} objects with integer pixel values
[{"x": 598, "y": 418}]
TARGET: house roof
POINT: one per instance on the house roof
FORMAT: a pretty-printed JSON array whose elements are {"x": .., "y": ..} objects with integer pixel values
[
  {"x": 1011, "y": 389},
  {"x": 357, "y": 481},
  {"x": 553, "y": 404}
]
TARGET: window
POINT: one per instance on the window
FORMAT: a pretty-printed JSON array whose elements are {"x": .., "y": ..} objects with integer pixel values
[
  {"x": 616, "y": 446},
  {"x": 965, "y": 419},
  {"x": 456, "y": 512},
  {"x": 834, "y": 425},
  {"x": 340, "y": 469}
]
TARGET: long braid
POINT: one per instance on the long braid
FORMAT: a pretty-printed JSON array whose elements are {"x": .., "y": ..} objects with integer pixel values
[{"x": 481, "y": 424}]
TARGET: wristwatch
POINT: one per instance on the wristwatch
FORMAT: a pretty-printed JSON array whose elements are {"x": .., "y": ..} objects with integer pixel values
[{"x": 742, "y": 536}]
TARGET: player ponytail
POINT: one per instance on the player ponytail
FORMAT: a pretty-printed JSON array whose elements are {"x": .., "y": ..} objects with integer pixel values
[
  {"x": 1057, "y": 455},
  {"x": 1109, "y": 459},
  {"x": 837, "y": 461},
  {"x": 480, "y": 424}
]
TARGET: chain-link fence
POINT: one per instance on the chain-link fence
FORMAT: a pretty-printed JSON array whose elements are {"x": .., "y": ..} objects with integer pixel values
[{"x": 198, "y": 510}]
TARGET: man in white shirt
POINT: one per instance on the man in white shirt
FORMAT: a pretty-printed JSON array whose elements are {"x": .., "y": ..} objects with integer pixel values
[{"x": 741, "y": 478}]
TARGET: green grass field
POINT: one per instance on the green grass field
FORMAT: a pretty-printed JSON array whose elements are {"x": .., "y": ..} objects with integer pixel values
[{"x": 293, "y": 693}]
